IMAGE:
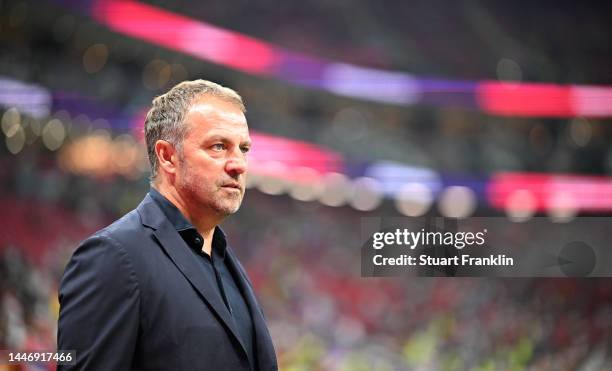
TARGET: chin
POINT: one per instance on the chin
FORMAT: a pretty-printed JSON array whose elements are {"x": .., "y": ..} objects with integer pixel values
[{"x": 228, "y": 209}]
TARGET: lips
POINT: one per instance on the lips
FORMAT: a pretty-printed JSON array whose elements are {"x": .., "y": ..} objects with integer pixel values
[{"x": 232, "y": 185}]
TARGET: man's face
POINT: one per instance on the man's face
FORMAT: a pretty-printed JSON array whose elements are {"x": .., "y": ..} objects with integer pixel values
[{"x": 212, "y": 169}]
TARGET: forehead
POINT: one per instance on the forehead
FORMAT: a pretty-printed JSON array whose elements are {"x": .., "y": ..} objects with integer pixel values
[{"x": 209, "y": 116}]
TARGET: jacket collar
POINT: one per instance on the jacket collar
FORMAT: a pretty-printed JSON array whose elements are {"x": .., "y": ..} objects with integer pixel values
[
  {"x": 167, "y": 236},
  {"x": 185, "y": 229},
  {"x": 185, "y": 260}
]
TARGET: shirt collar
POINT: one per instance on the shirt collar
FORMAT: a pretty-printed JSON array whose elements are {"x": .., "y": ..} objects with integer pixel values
[{"x": 185, "y": 229}]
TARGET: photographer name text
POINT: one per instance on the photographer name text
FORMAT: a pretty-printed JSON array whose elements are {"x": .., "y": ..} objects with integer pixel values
[{"x": 457, "y": 260}]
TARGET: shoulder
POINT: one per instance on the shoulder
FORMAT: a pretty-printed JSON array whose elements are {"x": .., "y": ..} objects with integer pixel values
[
  {"x": 124, "y": 234},
  {"x": 123, "y": 229},
  {"x": 101, "y": 266},
  {"x": 109, "y": 245},
  {"x": 109, "y": 249}
]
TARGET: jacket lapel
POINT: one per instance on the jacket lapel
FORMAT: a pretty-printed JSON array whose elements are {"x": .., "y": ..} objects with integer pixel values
[
  {"x": 266, "y": 357},
  {"x": 185, "y": 260}
]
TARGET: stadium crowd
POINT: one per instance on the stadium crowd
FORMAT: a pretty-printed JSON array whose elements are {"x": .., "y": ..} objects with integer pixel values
[{"x": 323, "y": 315}]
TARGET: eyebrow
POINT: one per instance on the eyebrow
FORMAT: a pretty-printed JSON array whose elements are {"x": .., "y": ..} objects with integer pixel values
[{"x": 224, "y": 138}]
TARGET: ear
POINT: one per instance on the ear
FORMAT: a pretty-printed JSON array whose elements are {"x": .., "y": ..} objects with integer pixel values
[{"x": 167, "y": 157}]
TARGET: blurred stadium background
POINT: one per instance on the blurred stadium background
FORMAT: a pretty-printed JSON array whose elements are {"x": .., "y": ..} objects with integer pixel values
[{"x": 357, "y": 109}]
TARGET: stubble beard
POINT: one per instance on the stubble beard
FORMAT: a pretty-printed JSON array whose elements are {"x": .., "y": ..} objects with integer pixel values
[
  {"x": 227, "y": 204},
  {"x": 211, "y": 197},
  {"x": 216, "y": 198}
]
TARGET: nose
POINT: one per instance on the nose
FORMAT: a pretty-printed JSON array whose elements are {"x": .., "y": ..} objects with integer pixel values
[{"x": 236, "y": 164}]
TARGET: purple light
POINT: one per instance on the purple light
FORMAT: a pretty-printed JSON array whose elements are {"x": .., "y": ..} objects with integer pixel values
[
  {"x": 372, "y": 84},
  {"x": 31, "y": 99},
  {"x": 393, "y": 176}
]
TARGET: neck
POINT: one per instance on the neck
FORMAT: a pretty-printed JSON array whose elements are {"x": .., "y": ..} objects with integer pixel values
[{"x": 204, "y": 222}]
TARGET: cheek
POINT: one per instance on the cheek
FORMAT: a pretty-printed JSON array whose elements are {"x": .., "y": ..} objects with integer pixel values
[
  {"x": 203, "y": 166},
  {"x": 203, "y": 172},
  {"x": 203, "y": 181}
]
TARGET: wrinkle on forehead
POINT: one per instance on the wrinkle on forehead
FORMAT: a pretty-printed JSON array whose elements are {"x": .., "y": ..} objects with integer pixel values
[{"x": 226, "y": 112}]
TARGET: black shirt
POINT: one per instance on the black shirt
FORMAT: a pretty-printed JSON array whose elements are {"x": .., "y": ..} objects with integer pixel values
[{"x": 215, "y": 269}]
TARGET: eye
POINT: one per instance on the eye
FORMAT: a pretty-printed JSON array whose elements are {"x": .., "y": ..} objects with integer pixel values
[
  {"x": 218, "y": 147},
  {"x": 245, "y": 149}
]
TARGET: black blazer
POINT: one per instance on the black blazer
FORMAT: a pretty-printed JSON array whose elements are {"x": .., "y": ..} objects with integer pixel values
[{"x": 131, "y": 299}]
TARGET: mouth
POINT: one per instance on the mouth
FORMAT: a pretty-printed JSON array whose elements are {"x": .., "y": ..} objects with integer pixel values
[{"x": 235, "y": 186}]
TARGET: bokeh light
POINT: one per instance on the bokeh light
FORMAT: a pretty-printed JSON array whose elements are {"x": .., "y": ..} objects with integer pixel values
[
  {"x": 457, "y": 202},
  {"x": 414, "y": 199},
  {"x": 53, "y": 134},
  {"x": 336, "y": 190},
  {"x": 520, "y": 205},
  {"x": 95, "y": 58},
  {"x": 366, "y": 194}
]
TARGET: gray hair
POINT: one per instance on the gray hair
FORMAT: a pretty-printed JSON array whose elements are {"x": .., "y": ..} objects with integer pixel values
[{"x": 165, "y": 118}]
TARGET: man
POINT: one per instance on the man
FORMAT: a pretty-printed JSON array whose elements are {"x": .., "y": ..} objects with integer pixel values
[{"x": 159, "y": 289}]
